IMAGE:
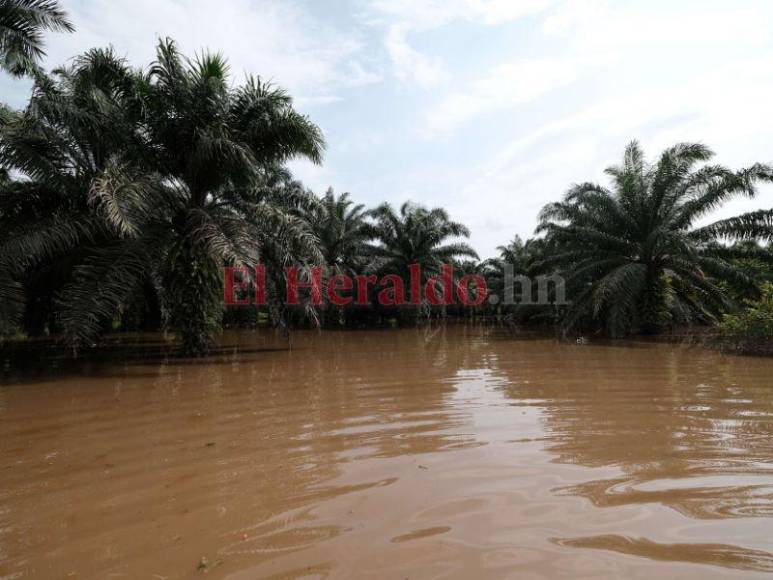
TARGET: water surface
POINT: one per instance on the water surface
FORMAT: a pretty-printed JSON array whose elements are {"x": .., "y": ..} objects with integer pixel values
[{"x": 434, "y": 453}]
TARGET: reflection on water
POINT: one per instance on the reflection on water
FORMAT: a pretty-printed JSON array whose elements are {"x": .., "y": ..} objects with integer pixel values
[{"x": 451, "y": 453}]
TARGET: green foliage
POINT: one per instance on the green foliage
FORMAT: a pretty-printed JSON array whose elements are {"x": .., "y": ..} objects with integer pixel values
[
  {"x": 22, "y": 23},
  {"x": 415, "y": 235},
  {"x": 123, "y": 193},
  {"x": 149, "y": 180},
  {"x": 758, "y": 266},
  {"x": 631, "y": 254},
  {"x": 342, "y": 230},
  {"x": 756, "y": 321},
  {"x": 78, "y": 121}
]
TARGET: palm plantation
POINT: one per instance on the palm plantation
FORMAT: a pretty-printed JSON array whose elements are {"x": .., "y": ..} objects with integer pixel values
[
  {"x": 124, "y": 192},
  {"x": 214, "y": 364}
]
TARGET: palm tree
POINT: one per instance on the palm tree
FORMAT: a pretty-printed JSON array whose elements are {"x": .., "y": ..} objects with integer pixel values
[
  {"x": 416, "y": 235},
  {"x": 342, "y": 229},
  {"x": 214, "y": 143},
  {"x": 518, "y": 254},
  {"x": 632, "y": 254},
  {"x": 78, "y": 122},
  {"x": 284, "y": 237},
  {"x": 199, "y": 190},
  {"x": 521, "y": 259},
  {"x": 212, "y": 148},
  {"x": 22, "y": 23}
]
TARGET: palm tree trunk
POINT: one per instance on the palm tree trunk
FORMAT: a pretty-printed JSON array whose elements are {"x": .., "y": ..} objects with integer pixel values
[
  {"x": 652, "y": 305},
  {"x": 195, "y": 301}
]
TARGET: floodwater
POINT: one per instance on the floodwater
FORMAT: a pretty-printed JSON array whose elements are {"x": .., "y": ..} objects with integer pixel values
[{"x": 433, "y": 453}]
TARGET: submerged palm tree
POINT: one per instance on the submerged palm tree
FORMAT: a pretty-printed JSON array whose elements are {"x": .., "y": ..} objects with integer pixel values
[
  {"x": 516, "y": 259},
  {"x": 22, "y": 23},
  {"x": 212, "y": 145},
  {"x": 519, "y": 255},
  {"x": 416, "y": 235},
  {"x": 632, "y": 254},
  {"x": 198, "y": 190},
  {"x": 342, "y": 229},
  {"x": 78, "y": 123}
]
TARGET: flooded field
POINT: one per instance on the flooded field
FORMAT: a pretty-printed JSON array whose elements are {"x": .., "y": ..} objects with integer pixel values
[{"x": 450, "y": 453}]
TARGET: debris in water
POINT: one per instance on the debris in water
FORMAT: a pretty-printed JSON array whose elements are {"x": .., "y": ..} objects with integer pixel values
[{"x": 205, "y": 565}]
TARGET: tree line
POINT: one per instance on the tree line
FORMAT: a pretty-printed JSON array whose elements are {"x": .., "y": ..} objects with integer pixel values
[{"x": 125, "y": 191}]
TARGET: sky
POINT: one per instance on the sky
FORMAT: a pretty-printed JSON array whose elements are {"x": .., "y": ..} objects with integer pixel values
[{"x": 489, "y": 108}]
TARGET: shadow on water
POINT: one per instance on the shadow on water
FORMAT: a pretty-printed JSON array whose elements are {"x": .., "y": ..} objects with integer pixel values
[{"x": 29, "y": 362}]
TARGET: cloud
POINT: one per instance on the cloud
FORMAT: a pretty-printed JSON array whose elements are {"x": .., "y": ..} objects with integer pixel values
[
  {"x": 538, "y": 167},
  {"x": 591, "y": 35},
  {"x": 403, "y": 18},
  {"x": 605, "y": 24},
  {"x": 432, "y": 14},
  {"x": 409, "y": 64},
  {"x": 660, "y": 73},
  {"x": 505, "y": 86},
  {"x": 275, "y": 39}
]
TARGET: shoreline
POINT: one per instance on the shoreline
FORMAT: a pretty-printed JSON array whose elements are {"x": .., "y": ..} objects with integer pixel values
[{"x": 30, "y": 357}]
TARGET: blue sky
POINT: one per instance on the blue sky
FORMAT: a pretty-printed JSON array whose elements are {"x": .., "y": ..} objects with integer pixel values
[{"x": 490, "y": 108}]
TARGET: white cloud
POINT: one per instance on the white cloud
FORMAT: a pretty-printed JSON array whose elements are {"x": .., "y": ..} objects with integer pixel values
[
  {"x": 408, "y": 63},
  {"x": 592, "y": 35},
  {"x": 403, "y": 18},
  {"x": 430, "y": 14},
  {"x": 612, "y": 25},
  {"x": 696, "y": 71},
  {"x": 498, "y": 11},
  {"x": 277, "y": 40},
  {"x": 507, "y": 85},
  {"x": 538, "y": 167}
]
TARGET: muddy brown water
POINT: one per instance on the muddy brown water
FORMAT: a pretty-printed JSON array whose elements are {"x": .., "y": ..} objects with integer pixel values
[{"x": 433, "y": 453}]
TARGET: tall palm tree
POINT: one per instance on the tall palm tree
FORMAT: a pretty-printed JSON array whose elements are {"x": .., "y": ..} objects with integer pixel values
[
  {"x": 79, "y": 121},
  {"x": 416, "y": 235},
  {"x": 632, "y": 254},
  {"x": 199, "y": 191},
  {"x": 22, "y": 23},
  {"x": 212, "y": 143}
]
